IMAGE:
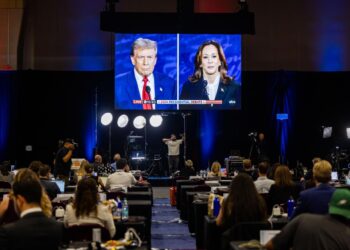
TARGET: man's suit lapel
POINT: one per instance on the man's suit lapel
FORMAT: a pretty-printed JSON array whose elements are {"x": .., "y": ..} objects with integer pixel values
[{"x": 132, "y": 90}]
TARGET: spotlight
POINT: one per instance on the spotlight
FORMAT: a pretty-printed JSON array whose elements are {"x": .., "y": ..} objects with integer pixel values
[
  {"x": 327, "y": 132},
  {"x": 122, "y": 121},
  {"x": 106, "y": 119},
  {"x": 156, "y": 120},
  {"x": 139, "y": 122},
  {"x": 348, "y": 133}
]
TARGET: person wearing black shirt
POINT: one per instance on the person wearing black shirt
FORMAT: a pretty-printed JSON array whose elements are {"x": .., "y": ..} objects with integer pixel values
[
  {"x": 63, "y": 160},
  {"x": 51, "y": 187}
]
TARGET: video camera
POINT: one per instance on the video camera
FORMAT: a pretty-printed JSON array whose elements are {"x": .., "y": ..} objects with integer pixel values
[{"x": 75, "y": 144}]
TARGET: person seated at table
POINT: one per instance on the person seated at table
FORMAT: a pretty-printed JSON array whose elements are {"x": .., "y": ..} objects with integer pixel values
[
  {"x": 309, "y": 180},
  {"x": 188, "y": 170},
  {"x": 315, "y": 200},
  {"x": 122, "y": 178},
  {"x": 86, "y": 208},
  {"x": 314, "y": 231},
  {"x": 8, "y": 212},
  {"x": 5, "y": 174},
  {"x": 51, "y": 187},
  {"x": 78, "y": 175},
  {"x": 215, "y": 169},
  {"x": 263, "y": 183},
  {"x": 33, "y": 230},
  {"x": 113, "y": 166},
  {"x": 35, "y": 166},
  {"x": 249, "y": 170},
  {"x": 284, "y": 188},
  {"x": 89, "y": 173},
  {"x": 243, "y": 204},
  {"x": 98, "y": 164}
]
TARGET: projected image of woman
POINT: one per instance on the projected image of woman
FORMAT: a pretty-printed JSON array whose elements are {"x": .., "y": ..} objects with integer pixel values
[{"x": 210, "y": 80}]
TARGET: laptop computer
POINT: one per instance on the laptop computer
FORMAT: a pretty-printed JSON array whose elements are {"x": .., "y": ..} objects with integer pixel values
[{"x": 60, "y": 184}]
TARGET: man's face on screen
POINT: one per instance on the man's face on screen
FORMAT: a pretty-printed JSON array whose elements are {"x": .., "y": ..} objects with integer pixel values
[
  {"x": 210, "y": 60},
  {"x": 144, "y": 61}
]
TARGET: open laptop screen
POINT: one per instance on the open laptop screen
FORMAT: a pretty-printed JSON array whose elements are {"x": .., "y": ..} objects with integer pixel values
[{"x": 60, "y": 184}]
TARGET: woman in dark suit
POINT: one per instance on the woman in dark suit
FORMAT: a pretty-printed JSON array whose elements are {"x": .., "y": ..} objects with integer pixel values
[{"x": 210, "y": 81}]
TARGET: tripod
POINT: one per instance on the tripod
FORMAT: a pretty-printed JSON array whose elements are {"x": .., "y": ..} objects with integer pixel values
[
  {"x": 156, "y": 167},
  {"x": 253, "y": 145}
]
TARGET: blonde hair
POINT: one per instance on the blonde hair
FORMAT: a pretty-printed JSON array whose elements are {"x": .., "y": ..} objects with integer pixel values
[
  {"x": 81, "y": 171},
  {"x": 322, "y": 171},
  {"x": 215, "y": 168},
  {"x": 45, "y": 202},
  {"x": 189, "y": 163}
]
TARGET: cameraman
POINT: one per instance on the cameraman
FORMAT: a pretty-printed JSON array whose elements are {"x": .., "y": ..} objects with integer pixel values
[{"x": 63, "y": 161}]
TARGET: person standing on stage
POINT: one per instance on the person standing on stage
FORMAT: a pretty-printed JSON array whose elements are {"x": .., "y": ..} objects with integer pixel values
[
  {"x": 63, "y": 161},
  {"x": 173, "y": 152}
]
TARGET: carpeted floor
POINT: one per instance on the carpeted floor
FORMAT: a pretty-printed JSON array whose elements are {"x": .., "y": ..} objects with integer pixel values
[{"x": 167, "y": 231}]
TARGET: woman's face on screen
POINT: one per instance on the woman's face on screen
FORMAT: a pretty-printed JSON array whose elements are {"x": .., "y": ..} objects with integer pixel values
[{"x": 210, "y": 60}]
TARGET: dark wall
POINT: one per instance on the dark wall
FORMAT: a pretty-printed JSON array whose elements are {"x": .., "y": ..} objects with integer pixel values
[{"x": 291, "y": 34}]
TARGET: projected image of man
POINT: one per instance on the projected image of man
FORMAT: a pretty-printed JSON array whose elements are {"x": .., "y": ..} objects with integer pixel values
[{"x": 144, "y": 83}]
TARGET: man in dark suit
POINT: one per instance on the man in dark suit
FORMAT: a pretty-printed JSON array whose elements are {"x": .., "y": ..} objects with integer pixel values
[
  {"x": 143, "y": 83},
  {"x": 315, "y": 200},
  {"x": 33, "y": 230},
  {"x": 50, "y": 186}
]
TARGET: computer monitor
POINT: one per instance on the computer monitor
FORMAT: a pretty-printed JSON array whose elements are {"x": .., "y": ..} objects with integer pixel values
[{"x": 334, "y": 176}]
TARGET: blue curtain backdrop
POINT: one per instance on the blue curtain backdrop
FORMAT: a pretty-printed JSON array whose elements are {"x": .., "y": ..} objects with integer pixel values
[
  {"x": 208, "y": 131},
  {"x": 5, "y": 93},
  {"x": 283, "y": 102}
]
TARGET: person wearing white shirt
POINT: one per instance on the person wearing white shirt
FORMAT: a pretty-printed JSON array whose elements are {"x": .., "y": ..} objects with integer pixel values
[
  {"x": 122, "y": 178},
  {"x": 173, "y": 152},
  {"x": 263, "y": 184}
]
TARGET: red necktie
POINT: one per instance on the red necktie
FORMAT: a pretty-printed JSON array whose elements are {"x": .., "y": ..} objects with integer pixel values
[{"x": 145, "y": 95}]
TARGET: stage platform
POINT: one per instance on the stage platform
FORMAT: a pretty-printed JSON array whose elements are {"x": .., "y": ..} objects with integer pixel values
[{"x": 160, "y": 181}]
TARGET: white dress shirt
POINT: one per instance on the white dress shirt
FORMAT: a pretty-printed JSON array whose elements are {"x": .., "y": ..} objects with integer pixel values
[
  {"x": 31, "y": 210},
  {"x": 212, "y": 88}
]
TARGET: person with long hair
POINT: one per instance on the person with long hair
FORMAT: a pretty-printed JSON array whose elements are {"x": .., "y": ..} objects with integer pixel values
[
  {"x": 284, "y": 187},
  {"x": 33, "y": 230},
  {"x": 215, "y": 170},
  {"x": 210, "y": 80},
  {"x": 86, "y": 208},
  {"x": 6, "y": 210},
  {"x": 243, "y": 204}
]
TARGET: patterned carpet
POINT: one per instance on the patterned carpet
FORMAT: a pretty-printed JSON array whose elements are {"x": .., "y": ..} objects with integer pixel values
[{"x": 167, "y": 230}]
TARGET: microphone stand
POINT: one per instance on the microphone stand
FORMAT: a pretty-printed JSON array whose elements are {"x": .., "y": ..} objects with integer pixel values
[
  {"x": 145, "y": 131},
  {"x": 184, "y": 115}
]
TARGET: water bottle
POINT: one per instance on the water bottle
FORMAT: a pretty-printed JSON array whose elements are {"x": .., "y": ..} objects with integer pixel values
[
  {"x": 125, "y": 211},
  {"x": 119, "y": 209},
  {"x": 216, "y": 206},
  {"x": 290, "y": 207}
]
